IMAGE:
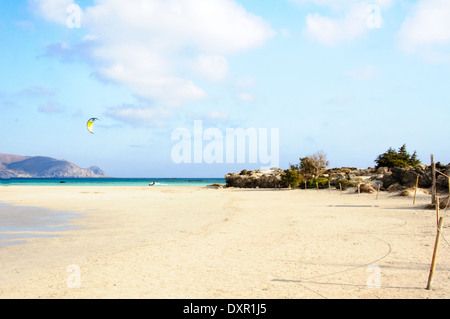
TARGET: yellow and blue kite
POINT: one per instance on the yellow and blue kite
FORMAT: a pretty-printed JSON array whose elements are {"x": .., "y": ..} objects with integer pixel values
[{"x": 90, "y": 124}]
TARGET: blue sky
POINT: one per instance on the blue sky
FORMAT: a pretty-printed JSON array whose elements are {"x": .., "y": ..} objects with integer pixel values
[{"x": 349, "y": 77}]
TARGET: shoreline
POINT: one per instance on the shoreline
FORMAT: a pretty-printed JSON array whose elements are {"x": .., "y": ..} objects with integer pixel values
[
  {"x": 198, "y": 242},
  {"x": 110, "y": 181}
]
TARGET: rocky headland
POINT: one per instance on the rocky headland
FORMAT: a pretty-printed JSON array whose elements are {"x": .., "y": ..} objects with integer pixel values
[{"x": 16, "y": 166}]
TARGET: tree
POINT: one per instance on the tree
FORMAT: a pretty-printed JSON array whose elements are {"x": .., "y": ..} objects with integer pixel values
[
  {"x": 313, "y": 165},
  {"x": 401, "y": 158}
]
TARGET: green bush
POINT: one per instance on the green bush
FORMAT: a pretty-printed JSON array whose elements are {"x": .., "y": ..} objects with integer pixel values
[
  {"x": 321, "y": 181},
  {"x": 401, "y": 158},
  {"x": 292, "y": 177},
  {"x": 346, "y": 183}
]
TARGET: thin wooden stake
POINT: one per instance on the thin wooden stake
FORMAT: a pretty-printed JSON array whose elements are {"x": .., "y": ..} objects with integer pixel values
[
  {"x": 436, "y": 248},
  {"x": 340, "y": 186},
  {"x": 437, "y": 210},
  {"x": 378, "y": 191},
  {"x": 359, "y": 189},
  {"x": 415, "y": 190},
  {"x": 433, "y": 184},
  {"x": 329, "y": 186}
]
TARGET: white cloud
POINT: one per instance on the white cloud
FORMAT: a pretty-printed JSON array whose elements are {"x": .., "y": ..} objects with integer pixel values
[
  {"x": 52, "y": 10},
  {"x": 338, "y": 4},
  {"x": 355, "y": 19},
  {"x": 214, "y": 68},
  {"x": 146, "y": 72},
  {"x": 330, "y": 31},
  {"x": 154, "y": 46},
  {"x": 246, "y": 97},
  {"x": 138, "y": 115},
  {"x": 427, "y": 29}
]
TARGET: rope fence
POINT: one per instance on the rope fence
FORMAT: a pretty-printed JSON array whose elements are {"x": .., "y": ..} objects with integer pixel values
[{"x": 439, "y": 235}]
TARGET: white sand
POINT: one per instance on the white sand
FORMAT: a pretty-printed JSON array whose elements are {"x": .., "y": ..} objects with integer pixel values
[{"x": 189, "y": 242}]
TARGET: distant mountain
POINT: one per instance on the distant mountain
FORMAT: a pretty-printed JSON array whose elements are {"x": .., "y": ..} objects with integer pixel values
[{"x": 43, "y": 167}]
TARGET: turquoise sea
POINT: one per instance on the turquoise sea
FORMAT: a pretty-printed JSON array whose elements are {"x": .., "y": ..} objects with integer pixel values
[{"x": 112, "y": 181}]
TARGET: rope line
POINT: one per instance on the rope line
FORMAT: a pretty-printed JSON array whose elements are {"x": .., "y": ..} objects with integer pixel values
[
  {"x": 444, "y": 209},
  {"x": 442, "y": 235}
]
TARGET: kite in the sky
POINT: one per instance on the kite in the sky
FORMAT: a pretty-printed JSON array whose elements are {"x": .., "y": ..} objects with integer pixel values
[{"x": 90, "y": 124}]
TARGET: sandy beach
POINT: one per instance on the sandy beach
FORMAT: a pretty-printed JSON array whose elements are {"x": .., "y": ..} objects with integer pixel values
[{"x": 195, "y": 242}]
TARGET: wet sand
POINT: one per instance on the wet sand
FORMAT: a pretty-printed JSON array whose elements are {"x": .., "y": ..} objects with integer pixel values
[
  {"x": 17, "y": 224},
  {"x": 192, "y": 242}
]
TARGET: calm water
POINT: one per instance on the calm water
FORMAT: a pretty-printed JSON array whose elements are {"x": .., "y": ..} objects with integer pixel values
[
  {"x": 112, "y": 181},
  {"x": 17, "y": 224}
]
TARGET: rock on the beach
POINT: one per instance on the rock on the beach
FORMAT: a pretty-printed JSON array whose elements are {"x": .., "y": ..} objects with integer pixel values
[
  {"x": 382, "y": 170},
  {"x": 215, "y": 186},
  {"x": 409, "y": 192},
  {"x": 407, "y": 177},
  {"x": 388, "y": 180},
  {"x": 442, "y": 182},
  {"x": 394, "y": 188},
  {"x": 443, "y": 203},
  {"x": 253, "y": 179},
  {"x": 365, "y": 188}
]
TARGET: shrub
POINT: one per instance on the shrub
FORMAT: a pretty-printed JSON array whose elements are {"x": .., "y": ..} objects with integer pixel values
[
  {"x": 346, "y": 183},
  {"x": 401, "y": 158},
  {"x": 321, "y": 181},
  {"x": 342, "y": 182},
  {"x": 292, "y": 177}
]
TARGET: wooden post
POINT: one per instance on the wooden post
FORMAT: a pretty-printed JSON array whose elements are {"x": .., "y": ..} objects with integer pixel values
[
  {"x": 437, "y": 210},
  {"x": 329, "y": 186},
  {"x": 436, "y": 248},
  {"x": 378, "y": 191},
  {"x": 415, "y": 190},
  {"x": 359, "y": 189},
  {"x": 340, "y": 186},
  {"x": 433, "y": 177}
]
